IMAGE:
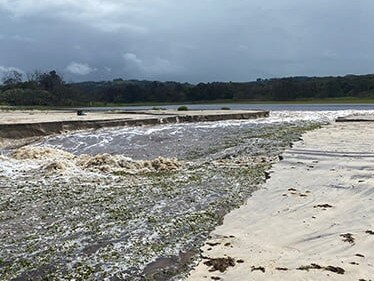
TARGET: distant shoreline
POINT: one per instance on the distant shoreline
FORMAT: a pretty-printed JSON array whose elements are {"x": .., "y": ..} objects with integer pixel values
[{"x": 327, "y": 101}]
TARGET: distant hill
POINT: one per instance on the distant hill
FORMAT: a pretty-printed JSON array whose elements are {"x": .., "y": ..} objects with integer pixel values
[{"x": 50, "y": 89}]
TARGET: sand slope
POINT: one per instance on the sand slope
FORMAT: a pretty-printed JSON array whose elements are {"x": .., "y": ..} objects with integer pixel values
[{"x": 313, "y": 220}]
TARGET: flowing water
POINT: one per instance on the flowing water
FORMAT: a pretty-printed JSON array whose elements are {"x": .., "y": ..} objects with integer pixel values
[
  {"x": 133, "y": 203},
  {"x": 176, "y": 140}
]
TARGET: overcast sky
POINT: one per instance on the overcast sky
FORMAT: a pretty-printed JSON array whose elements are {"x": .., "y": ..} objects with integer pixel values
[{"x": 187, "y": 40}]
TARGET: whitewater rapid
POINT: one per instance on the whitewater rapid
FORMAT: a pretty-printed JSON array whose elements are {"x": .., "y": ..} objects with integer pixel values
[{"x": 149, "y": 141}]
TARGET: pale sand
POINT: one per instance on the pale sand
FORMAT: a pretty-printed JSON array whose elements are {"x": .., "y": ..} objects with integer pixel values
[
  {"x": 283, "y": 228},
  {"x": 40, "y": 116}
]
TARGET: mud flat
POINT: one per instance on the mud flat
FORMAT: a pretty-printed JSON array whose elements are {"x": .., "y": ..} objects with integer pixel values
[
  {"x": 312, "y": 220},
  {"x": 25, "y": 124}
]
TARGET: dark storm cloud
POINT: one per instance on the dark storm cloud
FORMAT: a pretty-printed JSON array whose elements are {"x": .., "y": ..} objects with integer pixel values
[{"x": 191, "y": 40}]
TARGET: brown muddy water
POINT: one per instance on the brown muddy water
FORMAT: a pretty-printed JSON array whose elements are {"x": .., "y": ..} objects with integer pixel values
[{"x": 131, "y": 203}]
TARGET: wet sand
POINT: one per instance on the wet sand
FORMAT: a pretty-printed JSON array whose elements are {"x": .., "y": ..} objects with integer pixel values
[{"x": 312, "y": 220}]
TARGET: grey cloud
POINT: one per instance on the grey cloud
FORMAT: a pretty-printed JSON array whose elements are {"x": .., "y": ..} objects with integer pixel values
[
  {"x": 24, "y": 39},
  {"x": 157, "y": 66},
  {"x": 5, "y": 69},
  {"x": 80, "y": 68},
  {"x": 17, "y": 37},
  {"x": 193, "y": 40}
]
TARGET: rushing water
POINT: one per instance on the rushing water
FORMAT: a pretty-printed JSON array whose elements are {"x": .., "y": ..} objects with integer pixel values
[
  {"x": 108, "y": 217},
  {"x": 176, "y": 140}
]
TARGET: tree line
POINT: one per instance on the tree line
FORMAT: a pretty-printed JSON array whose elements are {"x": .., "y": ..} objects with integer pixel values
[{"x": 49, "y": 88}]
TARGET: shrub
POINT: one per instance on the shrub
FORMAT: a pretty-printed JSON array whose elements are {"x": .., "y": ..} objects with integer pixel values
[
  {"x": 182, "y": 108},
  {"x": 25, "y": 97}
]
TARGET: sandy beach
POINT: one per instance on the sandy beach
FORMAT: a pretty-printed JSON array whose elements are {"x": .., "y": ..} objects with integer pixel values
[{"x": 312, "y": 220}]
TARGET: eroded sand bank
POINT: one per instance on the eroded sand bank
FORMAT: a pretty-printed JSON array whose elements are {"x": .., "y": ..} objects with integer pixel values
[
  {"x": 313, "y": 220},
  {"x": 27, "y": 124}
]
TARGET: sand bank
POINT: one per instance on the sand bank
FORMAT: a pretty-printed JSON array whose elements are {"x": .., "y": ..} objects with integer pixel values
[
  {"x": 313, "y": 219},
  {"x": 356, "y": 118},
  {"x": 24, "y": 124}
]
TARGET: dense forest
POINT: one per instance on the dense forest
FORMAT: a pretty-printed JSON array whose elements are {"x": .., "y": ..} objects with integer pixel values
[{"x": 49, "y": 88}]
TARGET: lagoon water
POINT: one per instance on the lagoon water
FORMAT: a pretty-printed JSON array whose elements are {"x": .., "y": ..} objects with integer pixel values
[{"x": 244, "y": 106}]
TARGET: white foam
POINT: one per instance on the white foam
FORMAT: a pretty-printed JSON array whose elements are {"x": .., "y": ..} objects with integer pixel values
[{"x": 10, "y": 167}]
